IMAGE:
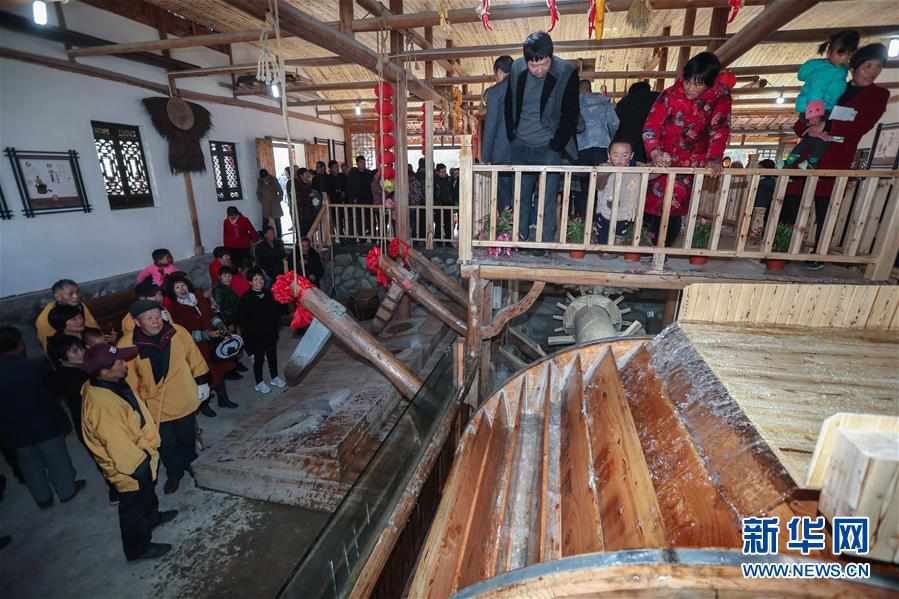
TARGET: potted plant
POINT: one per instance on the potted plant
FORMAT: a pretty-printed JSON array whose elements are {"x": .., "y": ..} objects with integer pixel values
[
  {"x": 701, "y": 235},
  {"x": 575, "y": 234},
  {"x": 628, "y": 239},
  {"x": 782, "y": 236},
  {"x": 503, "y": 233}
]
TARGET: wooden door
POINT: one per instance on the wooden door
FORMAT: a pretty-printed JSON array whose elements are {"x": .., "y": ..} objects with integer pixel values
[
  {"x": 265, "y": 155},
  {"x": 314, "y": 153}
]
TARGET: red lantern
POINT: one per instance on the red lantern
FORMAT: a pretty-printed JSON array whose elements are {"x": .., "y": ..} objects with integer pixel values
[
  {"x": 386, "y": 88},
  {"x": 384, "y": 108},
  {"x": 387, "y": 126},
  {"x": 388, "y": 157},
  {"x": 388, "y": 141},
  {"x": 389, "y": 173}
]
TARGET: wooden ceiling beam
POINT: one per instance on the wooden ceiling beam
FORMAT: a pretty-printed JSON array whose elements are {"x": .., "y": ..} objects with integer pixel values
[
  {"x": 193, "y": 41},
  {"x": 777, "y": 13},
  {"x": 431, "y": 18},
  {"x": 296, "y": 22}
]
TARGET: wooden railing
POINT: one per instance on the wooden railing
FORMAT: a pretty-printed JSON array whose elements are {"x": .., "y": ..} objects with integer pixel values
[
  {"x": 369, "y": 222},
  {"x": 861, "y": 225}
]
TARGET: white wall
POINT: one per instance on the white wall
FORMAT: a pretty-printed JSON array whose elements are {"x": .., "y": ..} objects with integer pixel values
[{"x": 48, "y": 109}]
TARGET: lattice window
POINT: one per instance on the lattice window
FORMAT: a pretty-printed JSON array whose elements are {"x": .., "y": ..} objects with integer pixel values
[
  {"x": 767, "y": 154},
  {"x": 227, "y": 176},
  {"x": 123, "y": 165},
  {"x": 364, "y": 145}
]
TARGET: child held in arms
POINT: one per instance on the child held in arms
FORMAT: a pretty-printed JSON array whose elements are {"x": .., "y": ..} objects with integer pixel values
[
  {"x": 163, "y": 265},
  {"x": 825, "y": 82},
  {"x": 620, "y": 154}
]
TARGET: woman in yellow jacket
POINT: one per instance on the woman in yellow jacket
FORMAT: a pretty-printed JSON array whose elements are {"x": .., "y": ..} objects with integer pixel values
[
  {"x": 121, "y": 435},
  {"x": 171, "y": 376},
  {"x": 66, "y": 292}
]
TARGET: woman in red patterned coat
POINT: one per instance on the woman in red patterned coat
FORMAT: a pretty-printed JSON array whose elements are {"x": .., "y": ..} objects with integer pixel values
[{"x": 688, "y": 126}]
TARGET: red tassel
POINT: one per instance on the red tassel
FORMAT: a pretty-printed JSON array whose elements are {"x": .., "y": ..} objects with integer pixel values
[
  {"x": 485, "y": 14},
  {"x": 553, "y": 15},
  {"x": 735, "y": 6},
  {"x": 591, "y": 19}
]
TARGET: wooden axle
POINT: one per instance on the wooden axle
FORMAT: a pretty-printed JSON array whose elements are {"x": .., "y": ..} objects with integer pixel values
[
  {"x": 334, "y": 316},
  {"x": 420, "y": 294}
]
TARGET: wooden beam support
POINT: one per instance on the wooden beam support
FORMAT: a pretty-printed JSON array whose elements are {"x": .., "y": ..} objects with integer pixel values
[
  {"x": 429, "y": 65},
  {"x": 509, "y": 312},
  {"x": 334, "y": 316},
  {"x": 436, "y": 277},
  {"x": 408, "y": 281},
  {"x": 296, "y": 22},
  {"x": 717, "y": 27},
  {"x": 168, "y": 44},
  {"x": 346, "y": 16},
  {"x": 683, "y": 55},
  {"x": 776, "y": 14}
]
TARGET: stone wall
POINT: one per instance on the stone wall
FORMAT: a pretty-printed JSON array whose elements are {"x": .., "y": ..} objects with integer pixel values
[{"x": 21, "y": 310}]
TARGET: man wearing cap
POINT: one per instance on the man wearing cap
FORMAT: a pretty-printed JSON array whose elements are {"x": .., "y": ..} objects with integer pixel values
[
  {"x": 121, "y": 434},
  {"x": 171, "y": 376},
  {"x": 67, "y": 293},
  {"x": 145, "y": 290}
]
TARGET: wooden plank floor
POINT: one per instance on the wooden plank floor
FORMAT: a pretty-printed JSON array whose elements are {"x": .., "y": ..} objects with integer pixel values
[{"x": 788, "y": 381}]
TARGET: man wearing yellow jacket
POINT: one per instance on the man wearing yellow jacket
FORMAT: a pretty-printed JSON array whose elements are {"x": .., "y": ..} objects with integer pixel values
[
  {"x": 171, "y": 375},
  {"x": 121, "y": 434},
  {"x": 65, "y": 292}
]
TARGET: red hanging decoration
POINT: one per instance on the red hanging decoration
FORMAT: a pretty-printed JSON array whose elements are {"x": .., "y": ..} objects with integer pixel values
[
  {"x": 727, "y": 78},
  {"x": 388, "y": 157},
  {"x": 398, "y": 247},
  {"x": 283, "y": 292},
  {"x": 384, "y": 107},
  {"x": 735, "y": 6},
  {"x": 372, "y": 261},
  {"x": 484, "y": 11},
  {"x": 387, "y": 126},
  {"x": 386, "y": 88},
  {"x": 388, "y": 141},
  {"x": 389, "y": 172},
  {"x": 553, "y": 14}
]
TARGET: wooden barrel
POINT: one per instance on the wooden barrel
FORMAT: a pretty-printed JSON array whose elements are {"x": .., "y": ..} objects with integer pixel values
[{"x": 365, "y": 304}]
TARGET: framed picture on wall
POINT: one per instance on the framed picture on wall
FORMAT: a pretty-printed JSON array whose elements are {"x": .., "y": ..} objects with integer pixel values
[
  {"x": 885, "y": 149},
  {"x": 861, "y": 158},
  {"x": 5, "y": 212},
  {"x": 48, "y": 182}
]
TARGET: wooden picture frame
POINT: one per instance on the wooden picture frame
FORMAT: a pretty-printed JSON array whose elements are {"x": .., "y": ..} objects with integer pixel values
[
  {"x": 48, "y": 182},
  {"x": 885, "y": 149}
]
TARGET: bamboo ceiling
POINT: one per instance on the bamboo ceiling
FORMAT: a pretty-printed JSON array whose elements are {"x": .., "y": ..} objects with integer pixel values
[{"x": 846, "y": 13}]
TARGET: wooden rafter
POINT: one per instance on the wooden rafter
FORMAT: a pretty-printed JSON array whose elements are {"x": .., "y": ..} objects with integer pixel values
[
  {"x": 169, "y": 44},
  {"x": 776, "y": 14}
]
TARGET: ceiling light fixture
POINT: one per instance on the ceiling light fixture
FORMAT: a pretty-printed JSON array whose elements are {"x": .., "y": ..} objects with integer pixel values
[
  {"x": 893, "y": 50},
  {"x": 359, "y": 109},
  {"x": 781, "y": 99},
  {"x": 39, "y": 12},
  {"x": 276, "y": 91}
]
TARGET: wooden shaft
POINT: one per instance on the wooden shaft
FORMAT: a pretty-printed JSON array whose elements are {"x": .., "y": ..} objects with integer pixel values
[
  {"x": 334, "y": 316},
  {"x": 776, "y": 14},
  {"x": 436, "y": 277},
  {"x": 422, "y": 295}
]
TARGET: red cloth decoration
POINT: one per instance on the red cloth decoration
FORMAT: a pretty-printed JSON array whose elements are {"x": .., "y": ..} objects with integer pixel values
[
  {"x": 485, "y": 14},
  {"x": 735, "y": 6},
  {"x": 727, "y": 78},
  {"x": 387, "y": 141},
  {"x": 398, "y": 247},
  {"x": 553, "y": 15},
  {"x": 372, "y": 261},
  {"x": 386, "y": 87},
  {"x": 591, "y": 19},
  {"x": 283, "y": 292}
]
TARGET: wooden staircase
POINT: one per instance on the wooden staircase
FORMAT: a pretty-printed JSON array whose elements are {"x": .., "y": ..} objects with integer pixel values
[{"x": 604, "y": 448}]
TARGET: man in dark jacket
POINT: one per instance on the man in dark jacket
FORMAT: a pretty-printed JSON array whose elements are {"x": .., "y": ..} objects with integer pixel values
[
  {"x": 542, "y": 112},
  {"x": 495, "y": 147},
  {"x": 336, "y": 183},
  {"x": 632, "y": 111},
  {"x": 358, "y": 189},
  {"x": 443, "y": 196},
  {"x": 34, "y": 423}
]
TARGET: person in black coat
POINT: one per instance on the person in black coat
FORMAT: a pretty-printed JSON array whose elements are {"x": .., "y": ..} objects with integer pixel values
[
  {"x": 34, "y": 423},
  {"x": 67, "y": 354},
  {"x": 260, "y": 318},
  {"x": 270, "y": 254},
  {"x": 632, "y": 111}
]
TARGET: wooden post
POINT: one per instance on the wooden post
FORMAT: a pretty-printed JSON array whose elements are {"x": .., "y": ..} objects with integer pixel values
[
  {"x": 663, "y": 61},
  {"x": 421, "y": 294},
  {"x": 429, "y": 65},
  {"x": 401, "y": 182},
  {"x": 333, "y": 315},
  {"x": 428, "y": 150},
  {"x": 346, "y": 16},
  {"x": 486, "y": 316},
  {"x": 194, "y": 221},
  {"x": 683, "y": 54},
  {"x": 465, "y": 200},
  {"x": 717, "y": 27},
  {"x": 438, "y": 278},
  {"x": 473, "y": 335},
  {"x": 459, "y": 362}
]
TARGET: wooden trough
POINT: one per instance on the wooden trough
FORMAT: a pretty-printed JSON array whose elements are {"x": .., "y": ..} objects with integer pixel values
[{"x": 617, "y": 469}]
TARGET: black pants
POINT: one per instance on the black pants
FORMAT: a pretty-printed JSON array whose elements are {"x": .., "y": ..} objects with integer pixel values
[
  {"x": 654, "y": 224},
  {"x": 178, "y": 447},
  {"x": 789, "y": 212},
  {"x": 260, "y": 354},
  {"x": 138, "y": 513},
  {"x": 239, "y": 256}
]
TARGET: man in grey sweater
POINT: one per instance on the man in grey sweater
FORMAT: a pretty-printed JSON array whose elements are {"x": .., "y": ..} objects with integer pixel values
[
  {"x": 495, "y": 144},
  {"x": 542, "y": 111}
]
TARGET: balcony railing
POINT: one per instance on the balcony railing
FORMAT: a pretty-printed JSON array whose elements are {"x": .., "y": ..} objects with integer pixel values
[
  {"x": 356, "y": 223},
  {"x": 861, "y": 226}
]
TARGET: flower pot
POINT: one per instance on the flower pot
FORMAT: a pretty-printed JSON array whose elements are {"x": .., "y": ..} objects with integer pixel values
[
  {"x": 628, "y": 257},
  {"x": 577, "y": 254},
  {"x": 774, "y": 265},
  {"x": 699, "y": 260}
]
